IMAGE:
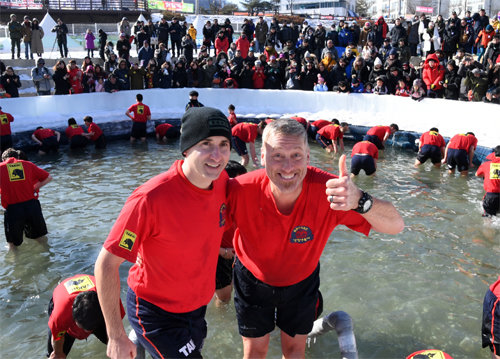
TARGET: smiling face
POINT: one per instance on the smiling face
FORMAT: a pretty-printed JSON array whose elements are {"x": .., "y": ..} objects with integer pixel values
[
  {"x": 285, "y": 158},
  {"x": 206, "y": 160}
]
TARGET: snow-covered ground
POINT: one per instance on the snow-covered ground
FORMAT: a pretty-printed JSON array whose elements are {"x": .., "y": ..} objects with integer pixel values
[{"x": 451, "y": 117}]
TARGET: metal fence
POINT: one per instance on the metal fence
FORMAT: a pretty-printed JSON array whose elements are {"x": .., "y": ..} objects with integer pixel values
[
  {"x": 77, "y": 29},
  {"x": 119, "y": 5}
]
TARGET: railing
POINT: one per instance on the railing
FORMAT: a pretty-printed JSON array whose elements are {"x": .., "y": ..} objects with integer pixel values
[
  {"x": 77, "y": 29},
  {"x": 117, "y": 5}
]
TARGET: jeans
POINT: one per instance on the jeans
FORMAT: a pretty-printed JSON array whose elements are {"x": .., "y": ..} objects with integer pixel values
[
  {"x": 27, "y": 47},
  {"x": 14, "y": 43}
]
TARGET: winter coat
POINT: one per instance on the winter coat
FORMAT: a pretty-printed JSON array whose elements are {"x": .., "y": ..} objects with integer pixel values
[
  {"x": 15, "y": 30},
  {"x": 136, "y": 78},
  {"x": 163, "y": 33},
  {"x": 452, "y": 81},
  {"x": 61, "y": 31},
  {"x": 41, "y": 83},
  {"x": 61, "y": 84},
  {"x": 208, "y": 75},
  {"x": 261, "y": 30},
  {"x": 27, "y": 31},
  {"x": 246, "y": 78},
  {"x": 165, "y": 78},
  {"x": 345, "y": 37},
  {"x": 451, "y": 35},
  {"x": 485, "y": 37},
  {"x": 363, "y": 36},
  {"x": 221, "y": 44},
  {"x": 413, "y": 37},
  {"x": 180, "y": 77},
  {"x": 258, "y": 78},
  {"x": 243, "y": 45},
  {"x": 175, "y": 31},
  {"x": 433, "y": 76},
  {"x": 397, "y": 33},
  {"x": 10, "y": 84},
  {"x": 188, "y": 46},
  {"x": 428, "y": 39},
  {"x": 478, "y": 86},
  {"x": 89, "y": 41},
  {"x": 194, "y": 77},
  {"x": 75, "y": 80},
  {"x": 192, "y": 32},
  {"x": 36, "y": 40}
]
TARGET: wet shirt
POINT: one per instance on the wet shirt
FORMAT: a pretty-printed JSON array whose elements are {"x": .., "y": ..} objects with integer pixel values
[
  {"x": 96, "y": 129},
  {"x": 365, "y": 147},
  {"x": 432, "y": 138},
  {"x": 245, "y": 131},
  {"x": 463, "y": 142},
  {"x": 300, "y": 120},
  {"x": 141, "y": 112},
  {"x": 5, "y": 120},
  {"x": 278, "y": 249},
  {"x": 17, "y": 178},
  {"x": 162, "y": 129},
  {"x": 491, "y": 156},
  {"x": 379, "y": 131},
  {"x": 73, "y": 130},
  {"x": 44, "y": 133},
  {"x": 177, "y": 228},
  {"x": 490, "y": 170},
  {"x": 232, "y": 119},
  {"x": 319, "y": 124},
  {"x": 332, "y": 132}
]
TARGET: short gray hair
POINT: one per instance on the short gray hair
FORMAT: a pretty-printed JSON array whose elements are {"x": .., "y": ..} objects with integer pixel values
[{"x": 286, "y": 127}]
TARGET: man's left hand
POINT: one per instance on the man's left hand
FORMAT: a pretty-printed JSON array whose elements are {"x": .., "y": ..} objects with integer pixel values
[{"x": 342, "y": 193}]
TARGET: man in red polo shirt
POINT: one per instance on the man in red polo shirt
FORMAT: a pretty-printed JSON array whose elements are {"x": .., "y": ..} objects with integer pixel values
[
  {"x": 75, "y": 313},
  {"x": 141, "y": 115},
  {"x": 431, "y": 146},
  {"x": 5, "y": 132},
  {"x": 318, "y": 125},
  {"x": 174, "y": 222},
  {"x": 243, "y": 133},
  {"x": 20, "y": 182},
  {"x": 490, "y": 171},
  {"x": 364, "y": 157},
  {"x": 75, "y": 134},
  {"x": 94, "y": 132},
  {"x": 166, "y": 130},
  {"x": 379, "y": 134},
  {"x": 460, "y": 152},
  {"x": 276, "y": 273},
  {"x": 47, "y": 139},
  {"x": 328, "y": 136}
]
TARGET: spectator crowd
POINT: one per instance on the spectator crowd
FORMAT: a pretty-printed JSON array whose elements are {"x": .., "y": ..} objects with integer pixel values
[{"x": 452, "y": 59}]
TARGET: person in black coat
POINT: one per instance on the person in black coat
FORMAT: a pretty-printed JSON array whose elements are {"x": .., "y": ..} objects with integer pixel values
[
  {"x": 163, "y": 30},
  {"x": 180, "y": 75},
  {"x": 451, "y": 81},
  {"x": 308, "y": 77},
  {"x": 246, "y": 76},
  {"x": 450, "y": 39},
  {"x": 413, "y": 37},
  {"x": 175, "y": 32},
  {"x": 123, "y": 47},
  {"x": 103, "y": 40},
  {"x": 11, "y": 82},
  {"x": 60, "y": 77}
]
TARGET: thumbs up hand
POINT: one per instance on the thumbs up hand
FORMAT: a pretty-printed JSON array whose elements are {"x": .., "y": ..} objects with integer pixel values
[{"x": 341, "y": 192}]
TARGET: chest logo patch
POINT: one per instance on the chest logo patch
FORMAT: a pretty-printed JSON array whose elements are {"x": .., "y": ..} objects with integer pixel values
[
  {"x": 222, "y": 215},
  {"x": 128, "y": 240},
  {"x": 16, "y": 171},
  {"x": 79, "y": 284},
  {"x": 301, "y": 234}
]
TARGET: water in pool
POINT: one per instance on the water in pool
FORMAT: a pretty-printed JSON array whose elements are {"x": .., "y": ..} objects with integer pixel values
[{"x": 420, "y": 289}]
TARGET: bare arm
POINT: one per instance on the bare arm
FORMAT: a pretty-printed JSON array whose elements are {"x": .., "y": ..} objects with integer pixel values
[
  {"x": 58, "y": 352},
  {"x": 108, "y": 290},
  {"x": 445, "y": 154},
  {"x": 471, "y": 157},
  {"x": 341, "y": 142},
  {"x": 33, "y": 137},
  {"x": 253, "y": 153},
  {"x": 39, "y": 185},
  {"x": 58, "y": 135},
  {"x": 383, "y": 216},
  {"x": 128, "y": 114}
]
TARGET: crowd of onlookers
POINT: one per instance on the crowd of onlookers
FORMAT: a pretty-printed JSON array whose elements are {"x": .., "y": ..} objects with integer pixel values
[{"x": 460, "y": 58}]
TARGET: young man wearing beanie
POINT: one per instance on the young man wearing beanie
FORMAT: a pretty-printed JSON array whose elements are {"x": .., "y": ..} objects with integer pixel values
[
  {"x": 171, "y": 284},
  {"x": 193, "y": 100}
]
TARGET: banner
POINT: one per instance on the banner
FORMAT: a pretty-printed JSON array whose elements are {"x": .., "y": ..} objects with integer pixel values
[
  {"x": 23, "y": 4},
  {"x": 426, "y": 9},
  {"x": 170, "y": 5}
]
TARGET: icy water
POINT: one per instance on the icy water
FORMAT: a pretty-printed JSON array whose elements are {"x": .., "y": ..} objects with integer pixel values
[{"x": 420, "y": 289}]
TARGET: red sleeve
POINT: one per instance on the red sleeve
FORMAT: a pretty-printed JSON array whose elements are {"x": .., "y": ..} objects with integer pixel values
[
  {"x": 38, "y": 173},
  {"x": 148, "y": 111},
  {"x": 131, "y": 108},
  {"x": 130, "y": 229},
  {"x": 482, "y": 170}
]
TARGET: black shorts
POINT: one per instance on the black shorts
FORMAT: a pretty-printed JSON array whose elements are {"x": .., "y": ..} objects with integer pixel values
[
  {"x": 429, "y": 151},
  {"x": 78, "y": 141},
  {"x": 457, "y": 158},
  {"x": 99, "y": 332},
  {"x": 49, "y": 144},
  {"x": 100, "y": 142},
  {"x": 224, "y": 274},
  {"x": 240, "y": 146},
  {"x": 5, "y": 142},
  {"x": 363, "y": 162},
  {"x": 491, "y": 203},
  {"x": 375, "y": 140},
  {"x": 323, "y": 141},
  {"x": 312, "y": 131},
  {"x": 490, "y": 330},
  {"x": 172, "y": 132},
  {"x": 138, "y": 130},
  {"x": 24, "y": 217},
  {"x": 259, "y": 306},
  {"x": 165, "y": 334}
]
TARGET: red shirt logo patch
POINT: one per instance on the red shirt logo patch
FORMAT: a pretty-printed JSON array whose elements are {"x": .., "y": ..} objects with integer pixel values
[{"x": 301, "y": 234}]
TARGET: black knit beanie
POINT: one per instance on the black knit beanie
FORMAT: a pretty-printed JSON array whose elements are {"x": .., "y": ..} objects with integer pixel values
[{"x": 199, "y": 123}]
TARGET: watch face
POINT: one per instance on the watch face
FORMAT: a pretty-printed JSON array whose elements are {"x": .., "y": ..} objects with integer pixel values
[{"x": 367, "y": 205}]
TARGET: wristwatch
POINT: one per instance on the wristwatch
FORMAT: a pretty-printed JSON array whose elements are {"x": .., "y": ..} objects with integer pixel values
[{"x": 365, "y": 203}]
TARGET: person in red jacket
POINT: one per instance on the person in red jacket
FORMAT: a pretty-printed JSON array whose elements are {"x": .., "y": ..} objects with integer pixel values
[
  {"x": 491, "y": 320},
  {"x": 243, "y": 44},
  {"x": 47, "y": 139},
  {"x": 94, "y": 132},
  {"x": 75, "y": 77},
  {"x": 490, "y": 171},
  {"x": 433, "y": 76},
  {"x": 460, "y": 152},
  {"x": 74, "y": 313},
  {"x": 431, "y": 146},
  {"x": 20, "y": 182},
  {"x": 243, "y": 133},
  {"x": 364, "y": 157},
  {"x": 221, "y": 43},
  {"x": 483, "y": 38},
  {"x": 75, "y": 135},
  {"x": 5, "y": 131},
  {"x": 258, "y": 76}
]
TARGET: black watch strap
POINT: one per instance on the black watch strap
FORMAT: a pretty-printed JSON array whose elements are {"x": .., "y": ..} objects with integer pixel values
[{"x": 365, "y": 203}]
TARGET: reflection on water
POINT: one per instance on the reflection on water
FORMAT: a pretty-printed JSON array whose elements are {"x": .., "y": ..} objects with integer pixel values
[{"x": 420, "y": 289}]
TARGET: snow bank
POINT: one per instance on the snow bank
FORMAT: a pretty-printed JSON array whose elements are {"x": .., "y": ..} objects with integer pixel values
[{"x": 451, "y": 117}]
